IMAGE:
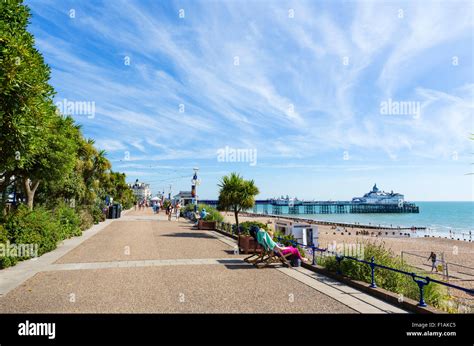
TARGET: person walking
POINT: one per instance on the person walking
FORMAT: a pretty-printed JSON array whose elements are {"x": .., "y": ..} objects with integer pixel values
[
  {"x": 168, "y": 211},
  {"x": 433, "y": 261},
  {"x": 178, "y": 211}
]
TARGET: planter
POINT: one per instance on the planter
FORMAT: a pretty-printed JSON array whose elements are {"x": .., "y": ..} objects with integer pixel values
[
  {"x": 247, "y": 245},
  {"x": 211, "y": 225}
]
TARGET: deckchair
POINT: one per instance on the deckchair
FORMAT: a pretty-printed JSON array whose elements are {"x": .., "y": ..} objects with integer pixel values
[
  {"x": 269, "y": 256},
  {"x": 259, "y": 251}
]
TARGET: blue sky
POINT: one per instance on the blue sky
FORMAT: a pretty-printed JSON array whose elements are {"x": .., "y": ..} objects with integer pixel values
[{"x": 302, "y": 83}]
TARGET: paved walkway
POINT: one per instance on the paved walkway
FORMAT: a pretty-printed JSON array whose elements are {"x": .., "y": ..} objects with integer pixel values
[{"x": 144, "y": 263}]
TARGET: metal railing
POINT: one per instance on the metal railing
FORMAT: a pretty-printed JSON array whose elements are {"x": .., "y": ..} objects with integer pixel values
[
  {"x": 420, "y": 280},
  {"x": 225, "y": 227}
]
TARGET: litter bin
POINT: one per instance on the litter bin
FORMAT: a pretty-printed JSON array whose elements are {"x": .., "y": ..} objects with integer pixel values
[
  {"x": 112, "y": 212},
  {"x": 119, "y": 210}
]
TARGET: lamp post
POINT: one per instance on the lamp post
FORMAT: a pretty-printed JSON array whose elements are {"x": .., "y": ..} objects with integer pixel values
[{"x": 195, "y": 182}]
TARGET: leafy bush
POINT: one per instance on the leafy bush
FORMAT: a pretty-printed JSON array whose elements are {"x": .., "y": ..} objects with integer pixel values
[
  {"x": 188, "y": 208},
  {"x": 69, "y": 221},
  {"x": 212, "y": 213},
  {"x": 434, "y": 294},
  {"x": 245, "y": 226},
  {"x": 5, "y": 261},
  {"x": 38, "y": 226},
  {"x": 86, "y": 219},
  {"x": 97, "y": 213}
]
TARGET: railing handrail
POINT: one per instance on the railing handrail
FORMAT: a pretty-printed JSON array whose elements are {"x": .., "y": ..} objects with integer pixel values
[
  {"x": 419, "y": 279},
  {"x": 425, "y": 279},
  {"x": 441, "y": 261}
]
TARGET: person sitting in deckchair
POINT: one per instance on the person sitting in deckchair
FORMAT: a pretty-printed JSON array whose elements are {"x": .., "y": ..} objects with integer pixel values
[{"x": 265, "y": 239}]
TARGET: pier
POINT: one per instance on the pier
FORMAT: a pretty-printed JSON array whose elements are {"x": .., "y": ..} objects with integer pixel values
[{"x": 326, "y": 207}]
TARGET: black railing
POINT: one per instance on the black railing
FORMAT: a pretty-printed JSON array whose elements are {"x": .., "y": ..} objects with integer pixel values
[{"x": 420, "y": 280}]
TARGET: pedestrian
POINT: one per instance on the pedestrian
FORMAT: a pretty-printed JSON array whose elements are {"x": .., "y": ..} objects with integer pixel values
[
  {"x": 433, "y": 261},
  {"x": 178, "y": 211},
  {"x": 168, "y": 211}
]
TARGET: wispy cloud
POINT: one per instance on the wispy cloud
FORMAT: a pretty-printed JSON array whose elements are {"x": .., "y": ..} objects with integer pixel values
[{"x": 174, "y": 90}]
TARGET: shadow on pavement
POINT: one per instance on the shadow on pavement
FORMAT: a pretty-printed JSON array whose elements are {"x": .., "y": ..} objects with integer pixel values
[{"x": 189, "y": 235}]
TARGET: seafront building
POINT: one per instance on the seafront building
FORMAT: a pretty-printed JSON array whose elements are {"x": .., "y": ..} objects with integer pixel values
[
  {"x": 141, "y": 190},
  {"x": 380, "y": 197},
  {"x": 184, "y": 197}
]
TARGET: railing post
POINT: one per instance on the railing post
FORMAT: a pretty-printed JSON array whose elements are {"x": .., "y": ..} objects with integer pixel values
[
  {"x": 421, "y": 285},
  {"x": 314, "y": 249},
  {"x": 339, "y": 259},
  {"x": 372, "y": 267}
]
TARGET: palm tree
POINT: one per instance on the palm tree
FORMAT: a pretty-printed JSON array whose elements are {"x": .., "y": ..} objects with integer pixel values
[{"x": 236, "y": 194}]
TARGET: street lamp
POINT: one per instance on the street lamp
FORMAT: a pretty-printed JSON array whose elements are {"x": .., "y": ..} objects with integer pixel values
[{"x": 195, "y": 182}]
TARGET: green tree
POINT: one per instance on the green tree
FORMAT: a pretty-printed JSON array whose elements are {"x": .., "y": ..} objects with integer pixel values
[
  {"x": 236, "y": 194},
  {"x": 26, "y": 106},
  {"x": 53, "y": 159}
]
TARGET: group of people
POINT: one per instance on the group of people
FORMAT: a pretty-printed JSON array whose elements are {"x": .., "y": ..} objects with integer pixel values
[
  {"x": 141, "y": 205},
  {"x": 173, "y": 210}
]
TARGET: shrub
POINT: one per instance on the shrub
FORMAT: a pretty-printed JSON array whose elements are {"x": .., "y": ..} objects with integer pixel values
[
  {"x": 97, "y": 213},
  {"x": 69, "y": 221},
  {"x": 86, "y": 218},
  {"x": 38, "y": 226},
  {"x": 212, "y": 213},
  {"x": 188, "y": 208},
  {"x": 245, "y": 226},
  {"x": 5, "y": 261},
  {"x": 434, "y": 294}
]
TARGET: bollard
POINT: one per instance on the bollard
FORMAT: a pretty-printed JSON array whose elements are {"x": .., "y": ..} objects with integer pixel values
[
  {"x": 339, "y": 259},
  {"x": 372, "y": 267}
]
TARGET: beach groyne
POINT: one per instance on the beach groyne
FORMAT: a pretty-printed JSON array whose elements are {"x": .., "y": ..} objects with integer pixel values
[{"x": 333, "y": 223}]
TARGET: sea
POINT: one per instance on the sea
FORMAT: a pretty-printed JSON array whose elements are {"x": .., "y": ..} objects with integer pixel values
[{"x": 445, "y": 219}]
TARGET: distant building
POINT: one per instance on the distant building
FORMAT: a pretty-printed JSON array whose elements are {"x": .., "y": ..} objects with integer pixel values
[
  {"x": 185, "y": 197},
  {"x": 141, "y": 190},
  {"x": 380, "y": 197}
]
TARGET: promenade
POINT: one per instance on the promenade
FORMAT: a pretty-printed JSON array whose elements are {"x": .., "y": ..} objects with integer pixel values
[{"x": 143, "y": 263}]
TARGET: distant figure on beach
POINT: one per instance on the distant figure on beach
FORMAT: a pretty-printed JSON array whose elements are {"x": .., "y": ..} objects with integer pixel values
[
  {"x": 433, "y": 261},
  {"x": 169, "y": 208}
]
